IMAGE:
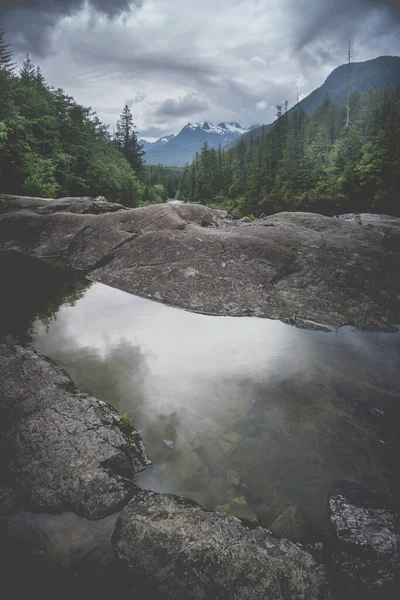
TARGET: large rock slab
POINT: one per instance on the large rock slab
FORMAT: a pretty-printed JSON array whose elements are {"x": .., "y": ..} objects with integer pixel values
[
  {"x": 61, "y": 449},
  {"x": 81, "y": 205},
  {"x": 297, "y": 267},
  {"x": 174, "y": 547}
]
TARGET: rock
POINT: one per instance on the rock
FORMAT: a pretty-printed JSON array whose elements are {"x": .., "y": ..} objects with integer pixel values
[
  {"x": 169, "y": 443},
  {"x": 233, "y": 477},
  {"x": 43, "y": 206},
  {"x": 367, "y": 550},
  {"x": 172, "y": 546},
  {"x": 220, "y": 491},
  {"x": 290, "y": 524},
  {"x": 239, "y": 508},
  {"x": 303, "y": 268},
  {"x": 62, "y": 449}
]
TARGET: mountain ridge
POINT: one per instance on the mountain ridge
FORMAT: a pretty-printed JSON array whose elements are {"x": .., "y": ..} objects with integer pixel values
[{"x": 177, "y": 150}]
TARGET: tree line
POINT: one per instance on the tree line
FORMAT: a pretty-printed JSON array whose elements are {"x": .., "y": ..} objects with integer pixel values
[
  {"x": 51, "y": 146},
  {"x": 312, "y": 164}
]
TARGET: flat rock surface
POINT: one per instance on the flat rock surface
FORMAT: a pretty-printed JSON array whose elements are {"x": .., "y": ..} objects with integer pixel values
[
  {"x": 61, "y": 449},
  {"x": 297, "y": 267},
  {"x": 185, "y": 552},
  {"x": 81, "y": 205}
]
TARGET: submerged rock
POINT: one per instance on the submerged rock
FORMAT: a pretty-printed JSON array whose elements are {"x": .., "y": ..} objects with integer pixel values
[
  {"x": 302, "y": 268},
  {"x": 175, "y": 548},
  {"x": 62, "y": 449},
  {"x": 239, "y": 508},
  {"x": 290, "y": 524},
  {"x": 367, "y": 550}
]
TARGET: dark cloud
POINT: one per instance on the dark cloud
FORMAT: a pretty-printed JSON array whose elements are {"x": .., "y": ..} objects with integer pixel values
[
  {"x": 29, "y": 23},
  {"x": 184, "y": 107},
  {"x": 338, "y": 15}
]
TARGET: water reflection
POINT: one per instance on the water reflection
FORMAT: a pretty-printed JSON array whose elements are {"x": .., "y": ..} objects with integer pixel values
[{"x": 247, "y": 414}]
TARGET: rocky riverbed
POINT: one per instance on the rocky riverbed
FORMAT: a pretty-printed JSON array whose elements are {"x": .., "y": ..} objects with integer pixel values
[{"x": 73, "y": 520}]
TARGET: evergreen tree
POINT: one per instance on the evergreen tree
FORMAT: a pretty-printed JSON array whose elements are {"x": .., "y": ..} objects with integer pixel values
[
  {"x": 126, "y": 138},
  {"x": 27, "y": 71},
  {"x": 6, "y": 58},
  {"x": 39, "y": 79}
]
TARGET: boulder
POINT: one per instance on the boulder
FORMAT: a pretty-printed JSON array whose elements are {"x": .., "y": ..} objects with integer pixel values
[
  {"x": 290, "y": 524},
  {"x": 175, "y": 548},
  {"x": 61, "y": 449}
]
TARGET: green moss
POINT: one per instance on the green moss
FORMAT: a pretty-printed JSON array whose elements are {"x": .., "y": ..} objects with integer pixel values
[{"x": 124, "y": 422}]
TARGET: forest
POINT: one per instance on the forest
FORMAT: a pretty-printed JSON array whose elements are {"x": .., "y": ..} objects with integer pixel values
[
  {"x": 317, "y": 164},
  {"x": 51, "y": 146}
]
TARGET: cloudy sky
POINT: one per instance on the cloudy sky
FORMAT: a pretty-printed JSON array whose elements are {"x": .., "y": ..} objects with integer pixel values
[{"x": 174, "y": 61}]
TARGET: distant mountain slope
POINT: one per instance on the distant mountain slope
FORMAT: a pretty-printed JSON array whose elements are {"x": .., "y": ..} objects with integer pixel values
[
  {"x": 180, "y": 149},
  {"x": 375, "y": 74}
]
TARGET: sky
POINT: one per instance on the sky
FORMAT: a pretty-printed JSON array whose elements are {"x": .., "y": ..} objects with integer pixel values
[{"x": 180, "y": 61}]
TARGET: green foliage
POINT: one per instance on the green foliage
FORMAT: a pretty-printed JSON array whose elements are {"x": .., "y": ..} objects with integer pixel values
[
  {"x": 250, "y": 219},
  {"x": 312, "y": 164},
  {"x": 161, "y": 183},
  {"x": 40, "y": 180},
  {"x": 51, "y": 146},
  {"x": 124, "y": 422}
]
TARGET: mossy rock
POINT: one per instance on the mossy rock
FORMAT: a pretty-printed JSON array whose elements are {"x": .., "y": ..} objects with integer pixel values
[{"x": 290, "y": 525}]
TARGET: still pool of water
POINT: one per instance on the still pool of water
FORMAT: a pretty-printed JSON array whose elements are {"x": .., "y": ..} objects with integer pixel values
[{"x": 247, "y": 414}]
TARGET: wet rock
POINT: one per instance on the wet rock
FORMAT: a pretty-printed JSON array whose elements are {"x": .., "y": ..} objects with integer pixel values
[
  {"x": 367, "y": 551},
  {"x": 230, "y": 441},
  {"x": 233, "y": 477},
  {"x": 213, "y": 457},
  {"x": 239, "y": 508},
  {"x": 62, "y": 449},
  {"x": 174, "y": 547},
  {"x": 220, "y": 491},
  {"x": 290, "y": 524},
  {"x": 303, "y": 268}
]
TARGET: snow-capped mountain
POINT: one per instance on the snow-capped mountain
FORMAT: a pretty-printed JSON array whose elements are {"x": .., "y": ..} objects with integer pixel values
[
  {"x": 159, "y": 143},
  {"x": 178, "y": 150}
]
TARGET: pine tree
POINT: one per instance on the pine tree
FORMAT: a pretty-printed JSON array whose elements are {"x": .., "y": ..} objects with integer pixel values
[
  {"x": 6, "y": 58},
  {"x": 39, "y": 79},
  {"x": 27, "y": 71},
  {"x": 126, "y": 138}
]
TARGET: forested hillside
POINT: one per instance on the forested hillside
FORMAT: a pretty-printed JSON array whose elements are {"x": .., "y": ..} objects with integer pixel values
[
  {"x": 51, "y": 146},
  {"x": 375, "y": 74},
  {"x": 315, "y": 164}
]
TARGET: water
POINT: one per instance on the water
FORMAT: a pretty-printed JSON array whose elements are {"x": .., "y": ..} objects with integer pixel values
[{"x": 252, "y": 415}]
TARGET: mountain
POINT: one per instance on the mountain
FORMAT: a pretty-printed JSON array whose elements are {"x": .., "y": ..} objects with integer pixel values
[
  {"x": 375, "y": 74},
  {"x": 178, "y": 150},
  {"x": 158, "y": 144}
]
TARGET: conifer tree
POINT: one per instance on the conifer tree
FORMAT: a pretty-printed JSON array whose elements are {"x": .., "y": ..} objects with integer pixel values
[
  {"x": 6, "y": 58},
  {"x": 39, "y": 78},
  {"x": 27, "y": 71},
  {"x": 126, "y": 138}
]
